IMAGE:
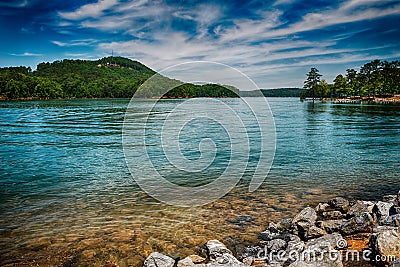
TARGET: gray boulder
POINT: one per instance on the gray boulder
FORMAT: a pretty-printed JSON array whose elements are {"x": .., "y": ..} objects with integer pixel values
[
  {"x": 331, "y": 226},
  {"x": 285, "y": 224},
  {"x": 385, "y": 241},
  {"x": 216, "y": 249},
  {"x": 330, "y": 240},
  {"x": 156, "y": 259},
  {"x": 276, "y": 245},
  {"x": 389, "y": 198},
  {"x": 315, "y": 232},
  {"x": 186, "y": 262},
  {"x": 303, "y": 222},
  {"x": 339, "y": 203},
  {"x": 393, "y": 220},
  {"x": 333, "y": 215},
  {"x": 320, "y": 252},
  {"x": 381, "y": 211},
  {"x": 219, "y": 254},
  {"x": 360, "y": 207},
  {"x": 359, "y": 224},
  {"x": 322, "y": 207}
]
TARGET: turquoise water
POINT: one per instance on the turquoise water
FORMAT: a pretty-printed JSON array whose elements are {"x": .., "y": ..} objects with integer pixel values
[{"x": 65, "y": 189}]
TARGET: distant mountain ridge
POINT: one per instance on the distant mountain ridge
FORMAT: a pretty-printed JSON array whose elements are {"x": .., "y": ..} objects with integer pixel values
[{"x": 275, "y": 92}]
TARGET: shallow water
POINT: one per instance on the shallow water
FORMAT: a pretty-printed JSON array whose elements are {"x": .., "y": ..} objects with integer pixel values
[{"x": 67, "y": 197}]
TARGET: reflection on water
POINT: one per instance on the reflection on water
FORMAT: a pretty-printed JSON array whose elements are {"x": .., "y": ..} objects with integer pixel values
[{"x": 66, "y": 195}]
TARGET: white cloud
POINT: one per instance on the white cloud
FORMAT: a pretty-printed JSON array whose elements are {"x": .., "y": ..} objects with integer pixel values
[
  {"x": 348, "y": 12},
  {"x": 89, "y": 10},
  {"x": 263, "y": 45},
  {"x": 81, "y": 42}
]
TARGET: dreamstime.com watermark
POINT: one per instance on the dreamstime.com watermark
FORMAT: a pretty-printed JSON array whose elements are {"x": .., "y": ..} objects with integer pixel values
[
  {"x": 156, "y": 134},
  {"x": 322, "y": 253}
]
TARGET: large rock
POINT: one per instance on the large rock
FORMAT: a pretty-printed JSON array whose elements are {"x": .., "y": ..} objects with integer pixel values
[
  {"x": 276, "y": 245},
  {"x": 320, "y": 252},
  {"x": 156, "y": 259},
  {"x": 381, "y": 211},
  {"x": 331, "y": 240},
  {"x": 360, "y": 207},
  {"x": 393, "y": 220},
  {"x": 385, "y": 241},
  {"x": 359, "y": 224},
  {"x": 186, "y": 262},
  {"x": 339, "y": 203},
  {"x": 218, "y": 253},
  {"x": 216, "y": 249},
  {"x": 322, "y": 207},
  {"x": 331, "y": 226},
  {"x": 285, "y": 224},
  {"x": 397, "y": 201},
  {"x": 272, "y": 232},
  {"x": 389, "y": 198},
  {"x": 333, "y": 215},
  {"x": 315, "y": 232},
  {"x": 303, "y": 222}
]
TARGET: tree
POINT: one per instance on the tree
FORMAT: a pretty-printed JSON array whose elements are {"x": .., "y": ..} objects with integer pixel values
[
  {"x": 312, "y": 82},
  {"x": 323, "y": 89},
  {"x": 340, "y": 86}
]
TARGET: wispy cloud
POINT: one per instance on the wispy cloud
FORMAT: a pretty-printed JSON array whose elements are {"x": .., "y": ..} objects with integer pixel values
[
  {"x": 89, "y": 10},
  {"x": 15, "y": 4},
  {"x": 26, "y": 54},
  {"x": 81, "y": 42},
  {"x": 348, "y": 12},
  {"x": 259, "y": 37}
]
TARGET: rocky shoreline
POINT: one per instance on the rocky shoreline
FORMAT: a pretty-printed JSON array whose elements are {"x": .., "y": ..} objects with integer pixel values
[{"x": 337, "y": 233}]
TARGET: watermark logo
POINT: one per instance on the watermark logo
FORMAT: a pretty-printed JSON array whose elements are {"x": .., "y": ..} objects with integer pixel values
[
  {"x": 322, "y": 252},
  {"x": 190, "y": 152}
]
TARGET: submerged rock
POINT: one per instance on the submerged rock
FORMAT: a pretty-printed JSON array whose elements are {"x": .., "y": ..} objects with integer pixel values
[{"x": 156, "y": 259}]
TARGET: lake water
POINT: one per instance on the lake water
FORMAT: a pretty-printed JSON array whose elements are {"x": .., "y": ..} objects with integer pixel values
[{"x": 67, "y": 196}]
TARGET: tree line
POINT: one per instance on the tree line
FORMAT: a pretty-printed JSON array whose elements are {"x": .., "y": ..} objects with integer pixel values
[
  {"x": 375, "y": 78},
  {"x": 109, "y": 77}
]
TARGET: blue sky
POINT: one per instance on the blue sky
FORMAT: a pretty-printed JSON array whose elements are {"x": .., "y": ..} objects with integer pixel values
[{"x": 273, "y": 42}]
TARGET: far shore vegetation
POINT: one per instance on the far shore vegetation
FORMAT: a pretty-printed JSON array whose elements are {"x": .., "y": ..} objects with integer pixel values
[
  {"x": 110, "y": 77},
  {"x": 118, "y": 77},
  {"x": 376, "y": 81}
]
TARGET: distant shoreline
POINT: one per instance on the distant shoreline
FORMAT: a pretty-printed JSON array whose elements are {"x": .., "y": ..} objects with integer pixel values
[{"x": 393, "y": 100}]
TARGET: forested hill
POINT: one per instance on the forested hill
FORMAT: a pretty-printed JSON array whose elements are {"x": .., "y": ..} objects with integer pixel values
[{"x": 110, "y": 77}]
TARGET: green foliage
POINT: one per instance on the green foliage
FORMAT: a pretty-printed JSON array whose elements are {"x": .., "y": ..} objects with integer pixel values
[
  {"x": 110, "y": 77},
  {"x": 339, "y": 86},
  {"x": 312, "y": 84},
  {"x": 277, "y": 92},
  {"x": 375, "y": 78}
]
